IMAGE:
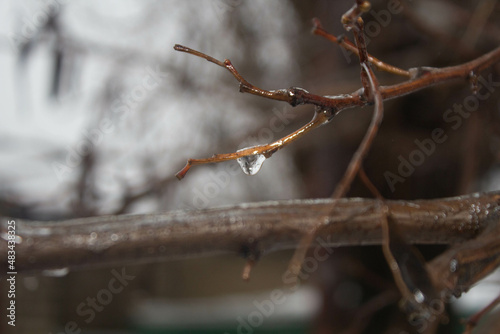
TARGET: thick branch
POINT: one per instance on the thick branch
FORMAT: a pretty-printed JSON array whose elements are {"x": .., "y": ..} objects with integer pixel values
[{"x": 250, "y": 230}]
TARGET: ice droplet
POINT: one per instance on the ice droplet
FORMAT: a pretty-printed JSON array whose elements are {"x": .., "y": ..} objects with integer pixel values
[
  {"x": 251, "y": 163},
  {"x": 453, "y": 265},
  {"x": 419, "y": 296}
]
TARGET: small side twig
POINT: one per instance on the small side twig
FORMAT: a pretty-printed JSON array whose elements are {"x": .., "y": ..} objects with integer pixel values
[
  {"x": 321, "y": 116},
  {"x": 351, "y": 16},
  {"x": 364, "y": 147}
]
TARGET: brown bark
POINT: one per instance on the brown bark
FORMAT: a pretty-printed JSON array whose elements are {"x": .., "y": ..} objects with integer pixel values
[{"x": 249, "y": 230}]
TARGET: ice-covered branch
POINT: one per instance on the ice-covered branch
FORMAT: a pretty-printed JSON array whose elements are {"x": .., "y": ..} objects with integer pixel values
[{"x": 249, "y": 230}]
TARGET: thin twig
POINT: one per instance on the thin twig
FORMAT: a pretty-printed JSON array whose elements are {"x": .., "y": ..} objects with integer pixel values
[
  {"x": 423, "y": 77},
  {"x": 474, "y": 320},
  {"x": 359, "y": 36},
  {"x": 365, "y": 145},
  {"x": 352, "y": 15},
  {"x": 369, "y": 184},
  {"x": 321, "y": 116},
  {"x": 329, "y": 106}
]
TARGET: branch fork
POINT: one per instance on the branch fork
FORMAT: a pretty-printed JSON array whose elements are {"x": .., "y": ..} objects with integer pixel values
[{"x": 412, "y": 277}]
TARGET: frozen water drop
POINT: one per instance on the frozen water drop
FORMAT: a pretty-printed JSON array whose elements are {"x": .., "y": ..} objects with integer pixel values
[
  {"x": 251, "y": 164},
  {"x": 419, "y": 296},
  {"x": 453, "y": 265}
]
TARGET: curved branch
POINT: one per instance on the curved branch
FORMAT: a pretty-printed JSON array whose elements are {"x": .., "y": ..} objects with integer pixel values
[
  {"x": 422, "y": 77},
  {"x": 249, "y": 230}
]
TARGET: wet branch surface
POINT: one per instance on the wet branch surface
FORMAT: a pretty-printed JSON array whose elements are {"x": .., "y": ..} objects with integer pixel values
[
  {"x": 329, "y": 106},
  {"x": 249, "y": 230}
]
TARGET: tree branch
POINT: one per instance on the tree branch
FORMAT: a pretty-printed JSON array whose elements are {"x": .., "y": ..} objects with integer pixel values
[
  {"x": 422, "y": 77},
  {"x": 249, "y": 230},
  {"x": 328, "y": 106}
]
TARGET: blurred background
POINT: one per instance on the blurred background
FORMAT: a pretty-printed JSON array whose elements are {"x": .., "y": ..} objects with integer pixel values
[{"x": 99, "y": 113}]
